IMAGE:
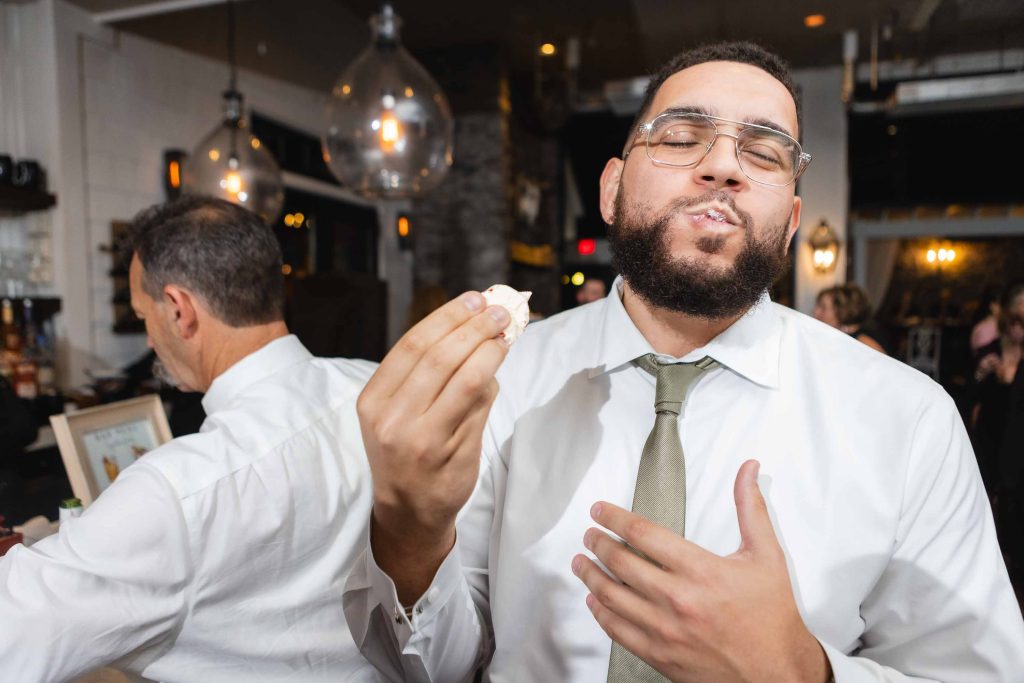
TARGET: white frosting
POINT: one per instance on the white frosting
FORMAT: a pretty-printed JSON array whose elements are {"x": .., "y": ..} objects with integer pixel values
[{"x": 515, "y": 303}]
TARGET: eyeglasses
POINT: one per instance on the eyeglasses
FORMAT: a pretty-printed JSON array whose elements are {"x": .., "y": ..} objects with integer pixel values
[{"x": 765, "y": 155}]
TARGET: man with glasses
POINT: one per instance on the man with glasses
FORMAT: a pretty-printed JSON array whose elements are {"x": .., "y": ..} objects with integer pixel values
[{"x": 683, "y": 481}]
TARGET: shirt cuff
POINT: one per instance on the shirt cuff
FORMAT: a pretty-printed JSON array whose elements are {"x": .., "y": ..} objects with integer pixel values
[
  {"x": 847, "y": 669},
  {"x": 446, "y": 580}
]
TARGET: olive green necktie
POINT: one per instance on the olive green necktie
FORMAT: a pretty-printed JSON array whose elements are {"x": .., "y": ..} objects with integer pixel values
[{"x": 660, "y": 493}]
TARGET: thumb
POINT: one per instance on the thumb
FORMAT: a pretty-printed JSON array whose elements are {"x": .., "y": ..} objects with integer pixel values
[{"x": 756, "y": 531}]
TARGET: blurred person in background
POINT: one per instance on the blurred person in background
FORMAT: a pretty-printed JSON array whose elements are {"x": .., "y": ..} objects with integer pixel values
[
  {"x": 986, "y": 328},
  {"x": 995, "y": 422},
  {"x": 846, "y": 308},
  {"x": 592, "y": 289}
]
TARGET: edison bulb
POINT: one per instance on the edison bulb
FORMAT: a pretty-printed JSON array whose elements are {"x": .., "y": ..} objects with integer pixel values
[
  {"x": 388, "y": 125},
  {"x": 230, "y": 163}
]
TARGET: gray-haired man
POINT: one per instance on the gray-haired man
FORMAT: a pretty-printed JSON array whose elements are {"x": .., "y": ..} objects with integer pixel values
[{"x": 219, "y": 556}]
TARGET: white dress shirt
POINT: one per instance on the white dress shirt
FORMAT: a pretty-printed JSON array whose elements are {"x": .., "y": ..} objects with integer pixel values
[
  {"x": 867, "y": 471},
  {"x": 219, "y": 556}
]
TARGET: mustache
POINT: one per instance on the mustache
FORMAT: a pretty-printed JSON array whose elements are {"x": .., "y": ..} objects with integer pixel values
[{"x": 710, "y": 196}]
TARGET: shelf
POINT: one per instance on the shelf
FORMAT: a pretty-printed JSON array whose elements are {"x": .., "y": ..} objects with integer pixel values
[
  {"x": 43, "y": 308},
  {"x": 20, "y": 200}
]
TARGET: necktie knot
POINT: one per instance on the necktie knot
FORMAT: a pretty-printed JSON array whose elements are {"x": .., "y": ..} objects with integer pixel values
[{"x": 673, "y": 380}]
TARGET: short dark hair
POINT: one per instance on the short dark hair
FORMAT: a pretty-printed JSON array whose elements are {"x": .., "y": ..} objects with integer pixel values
[
  {"x": 736, "y": 51},
  {"x": 217, "y": 250}
]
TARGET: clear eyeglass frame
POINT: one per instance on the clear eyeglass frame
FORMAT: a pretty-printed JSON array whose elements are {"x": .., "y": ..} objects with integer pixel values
[{"x": 803, "y": 159}]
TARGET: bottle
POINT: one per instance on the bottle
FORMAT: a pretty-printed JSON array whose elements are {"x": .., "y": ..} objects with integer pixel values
[
  {"x": 10, "y": 337},
  {"x": 46, "y": 360},
  {"x": 9, "y": 330},
  {"x": 26, "y": 366},
  {"x": 69, "y": 508}
]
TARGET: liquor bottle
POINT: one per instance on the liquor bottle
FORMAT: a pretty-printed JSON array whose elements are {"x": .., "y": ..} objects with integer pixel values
[
  {"x": 47, "y": 360},
  {"x": 11, "y": 339},
  {"x": 10, "y": 331},
  {"x": 26, "y": 367}
]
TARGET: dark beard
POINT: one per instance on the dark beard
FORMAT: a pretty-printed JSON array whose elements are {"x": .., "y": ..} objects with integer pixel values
[{"x": 640, "y": 253}]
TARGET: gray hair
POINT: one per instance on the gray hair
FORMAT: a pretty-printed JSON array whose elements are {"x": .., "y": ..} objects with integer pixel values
[{"x": 217, "y": 250}]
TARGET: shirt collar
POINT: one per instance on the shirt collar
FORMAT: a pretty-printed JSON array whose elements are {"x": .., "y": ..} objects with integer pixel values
[
  {"x": 751, "y": 346},
  {"x": 260, "y": 364}
]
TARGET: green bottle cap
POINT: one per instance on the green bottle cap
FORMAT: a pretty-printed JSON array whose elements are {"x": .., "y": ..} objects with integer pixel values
[{"x": 69, "y": 503}]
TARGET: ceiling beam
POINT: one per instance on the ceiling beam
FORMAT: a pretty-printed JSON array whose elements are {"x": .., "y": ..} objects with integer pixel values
[{"x": 151, "y": 9}]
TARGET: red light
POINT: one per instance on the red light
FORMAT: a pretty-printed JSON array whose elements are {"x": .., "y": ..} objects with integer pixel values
[{"x": 586, "y": 247}]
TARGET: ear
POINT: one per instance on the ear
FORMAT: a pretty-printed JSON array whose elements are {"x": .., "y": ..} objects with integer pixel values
[
  {"x": 611, "y": 178},
  {"x": 182, "y": 311},
  {"x": 794, "y": 221}
]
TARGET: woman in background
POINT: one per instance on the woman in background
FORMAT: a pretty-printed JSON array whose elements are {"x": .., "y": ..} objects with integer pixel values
[{"x": 846, "y": 308}]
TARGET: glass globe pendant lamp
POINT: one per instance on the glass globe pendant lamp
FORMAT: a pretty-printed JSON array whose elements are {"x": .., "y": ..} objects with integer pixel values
[
  {"x": 230, "y": 162},
  {"x": 388, "y": 125}
]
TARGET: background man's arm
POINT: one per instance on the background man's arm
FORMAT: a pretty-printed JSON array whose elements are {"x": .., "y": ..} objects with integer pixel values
[{"x": 109, "y": 584}]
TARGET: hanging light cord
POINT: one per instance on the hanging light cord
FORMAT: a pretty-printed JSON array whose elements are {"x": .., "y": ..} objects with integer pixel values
[{"x": 233, "y": 87}]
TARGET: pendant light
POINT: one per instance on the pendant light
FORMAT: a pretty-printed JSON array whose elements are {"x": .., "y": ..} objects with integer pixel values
[
  {"x": 231, "y": 163},
  {"x": 388, "y": 125}
]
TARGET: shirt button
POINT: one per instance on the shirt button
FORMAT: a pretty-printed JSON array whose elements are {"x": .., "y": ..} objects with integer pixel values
[{"x": 432, "y": 594}]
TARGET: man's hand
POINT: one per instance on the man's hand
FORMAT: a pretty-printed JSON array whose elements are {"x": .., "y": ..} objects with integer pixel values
[
  {"x": 695, "y": 616},
  {"x": 422, "y": 417}
]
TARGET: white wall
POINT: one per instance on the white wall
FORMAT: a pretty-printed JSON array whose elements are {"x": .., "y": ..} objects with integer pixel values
[
  {"x": 109, "y": 104},
  {"x": 824, "y": 186}
]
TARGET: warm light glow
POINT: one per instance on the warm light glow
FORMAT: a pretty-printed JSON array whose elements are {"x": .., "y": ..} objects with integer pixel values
[
  {"x": 174, "y": 173},
  {"x": 289, "y": 220},
  {"x": 346, "y": 89},
  {"x": 565, "y": 279},
  {"x": 548, "y": 49},
  {"x": 824, "y": 258},
  {"x": 255, "y": 143},
  {"x": 232, "y": 183},
  {"x": 403, "y": 226},
  {"x": 814, "y": 20},
  {"x": 408, "y": 91},
  {"x": 586, "y": 247},
  {"x": 214, "y": 154},
  {"x": 578, "y": 279},
  {"x": 390, "y": 131},
  {"x": 931, "y": 256},
  {"x": 300, "y": 218},
  {"x": 286, "y": 269}
]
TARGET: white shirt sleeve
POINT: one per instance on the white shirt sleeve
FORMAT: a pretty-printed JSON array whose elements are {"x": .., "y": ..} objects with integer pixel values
[
  {"x": 449, "y": 635},
  {"x": 110, "y": 586},
  {"x": 943, "y": 610}
]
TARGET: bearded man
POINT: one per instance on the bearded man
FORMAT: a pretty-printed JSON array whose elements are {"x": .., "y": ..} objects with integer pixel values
[{"x": 773, "y": 500}]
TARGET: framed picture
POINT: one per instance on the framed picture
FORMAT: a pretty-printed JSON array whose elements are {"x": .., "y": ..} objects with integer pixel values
[{"x": 98, "y": 443}]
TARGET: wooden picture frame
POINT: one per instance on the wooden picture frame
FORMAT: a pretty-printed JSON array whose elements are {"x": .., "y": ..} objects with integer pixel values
[{"x": 97, "y": 443}]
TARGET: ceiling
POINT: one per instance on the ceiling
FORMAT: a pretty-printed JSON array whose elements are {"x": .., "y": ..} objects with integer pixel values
[{"x": 309, "y": 42}]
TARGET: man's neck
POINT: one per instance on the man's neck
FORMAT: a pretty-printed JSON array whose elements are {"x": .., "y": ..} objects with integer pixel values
[
  {"x": 669, "y": 332},
  {"x": 235, "y": 343}
]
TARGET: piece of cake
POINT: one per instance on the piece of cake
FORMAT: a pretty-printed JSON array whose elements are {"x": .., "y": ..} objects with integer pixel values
[{"x": 515, "y": 303}]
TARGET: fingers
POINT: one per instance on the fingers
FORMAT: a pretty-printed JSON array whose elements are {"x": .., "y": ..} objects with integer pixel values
[
  {"x": 618, "y": 628},
  {"x": 467, "y": 356},
  {"x": 662, "y": 546},
  {"x": 639, "y": 573},
  {"x": 467, "y": 441},
  {"x": 400, "y": 361},
  {"x": 756, "y": 531},
  {"x": 472, "y": 384}
]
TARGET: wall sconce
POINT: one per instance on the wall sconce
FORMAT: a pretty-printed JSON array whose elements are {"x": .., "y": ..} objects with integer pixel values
[{"x": 825, "y": 247}]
